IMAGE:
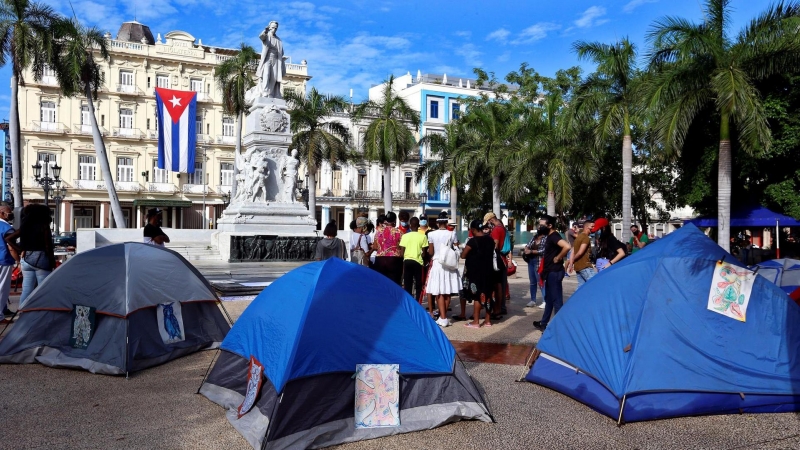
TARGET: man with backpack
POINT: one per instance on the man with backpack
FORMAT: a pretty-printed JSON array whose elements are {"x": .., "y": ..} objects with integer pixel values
[{"x": 502, "y": 243}]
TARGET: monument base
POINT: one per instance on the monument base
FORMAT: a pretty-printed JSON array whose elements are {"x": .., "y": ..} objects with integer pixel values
[{"x": 285, "y": 219}]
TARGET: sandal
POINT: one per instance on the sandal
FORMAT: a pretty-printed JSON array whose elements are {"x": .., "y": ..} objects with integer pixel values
[
  {"x": 471, "y": 325},
  {"x": 487, "y": 324},
  {"x": 458, "y": 318}
]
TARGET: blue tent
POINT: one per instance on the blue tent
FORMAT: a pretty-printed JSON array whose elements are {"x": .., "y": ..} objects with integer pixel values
[
  {"x": 752, "y": 216},
  {"x": 637, "y": 342},
  {"x": 309, "y": 330},
  {"x": 785, "y": 273}
]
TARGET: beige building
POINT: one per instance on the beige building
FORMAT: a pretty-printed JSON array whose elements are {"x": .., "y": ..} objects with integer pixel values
[{"x": 56, "y": 131}]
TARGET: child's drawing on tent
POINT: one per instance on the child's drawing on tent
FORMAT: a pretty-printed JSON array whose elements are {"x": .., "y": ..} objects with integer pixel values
[
  {"x": 377, "y": 395},
  {"x": 730, "y": 290}
]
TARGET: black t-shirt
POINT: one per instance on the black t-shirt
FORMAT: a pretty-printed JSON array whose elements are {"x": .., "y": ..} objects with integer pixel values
[
  {"x": 611, "y": 247},
  {"x": 480, "y": 254},
  {"x": 152, "y": 231},
  {"x": 551, "y": 250}
]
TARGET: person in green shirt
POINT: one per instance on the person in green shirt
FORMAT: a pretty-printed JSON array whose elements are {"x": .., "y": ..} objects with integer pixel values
[
  {"x": 638, "y": 239},
  {"x": 412, "y": 245}
]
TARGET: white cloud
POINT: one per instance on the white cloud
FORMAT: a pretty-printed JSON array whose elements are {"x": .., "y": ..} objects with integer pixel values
[
  {"x": 591, "y": 17},
  {"x": 633, "y": 4},
  {"x": 463, "y": 33},
  {"x": 535, "y": 32},
  {"x": 470, "y": 53},
  {"x": 499, "y": 35}
]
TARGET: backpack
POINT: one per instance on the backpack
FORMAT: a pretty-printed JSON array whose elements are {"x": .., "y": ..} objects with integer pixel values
[{"x": 506, "y": 245}]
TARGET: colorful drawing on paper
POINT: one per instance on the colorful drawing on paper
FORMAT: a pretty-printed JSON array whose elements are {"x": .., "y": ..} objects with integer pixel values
[
  {"x": 254, "y": 378},
  {"x": 730, "y": 290},
  {"x": 170, "y": 322},
  {"x": 83, "y": 323},
  {"x": 377, "y": 395}
]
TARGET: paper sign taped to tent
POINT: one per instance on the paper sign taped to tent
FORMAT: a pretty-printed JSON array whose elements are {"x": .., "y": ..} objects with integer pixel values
[
  {"x": 254, "y": 373},
  {"x": 377, "y": 395},
  {"x": 170, "y": 322},
  {"x": 730, "y": 290},
  {"x": 83, "y": 320}
]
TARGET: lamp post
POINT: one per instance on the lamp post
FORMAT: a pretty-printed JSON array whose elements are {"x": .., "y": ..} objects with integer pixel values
[
  {"x": 205, "y": 212},
  {"x": 45, "y": 181},
  {"x": 423, "y": 200},
  {"x": 59, "y": 194}
]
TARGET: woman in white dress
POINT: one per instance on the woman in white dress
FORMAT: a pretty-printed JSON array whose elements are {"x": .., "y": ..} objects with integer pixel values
[{"x": 442, "y": 282}]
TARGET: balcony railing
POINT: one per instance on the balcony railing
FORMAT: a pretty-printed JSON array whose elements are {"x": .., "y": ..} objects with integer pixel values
[
  {"x": 130, "y": 133},
  {"x": 129, "y": 89},
  {"x": 223, "y": 58},
  {"x": 87, "y": 129},
  {"x": 223, "y": 189},
  {"x": 203, "y": 138},
  {"x": 198, "y": 189},
  {"x": 48, "y": 127},
  {"x": 168, "y": 188},
  {"x": 124, "y": 45},
  {"x": 204, "y": 97},
  {"x": 405, "y": 196},
  {"x": 89, "y": 185},
  {"x": 151, "y": 134},
  {"x": 226, "y": 140},
  {"x": 128, "y": 186},
  {"x": 49, "y": 80}
]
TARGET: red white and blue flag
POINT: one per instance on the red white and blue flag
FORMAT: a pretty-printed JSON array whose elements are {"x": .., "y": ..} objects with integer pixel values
[{"x": 176, "y": 113}]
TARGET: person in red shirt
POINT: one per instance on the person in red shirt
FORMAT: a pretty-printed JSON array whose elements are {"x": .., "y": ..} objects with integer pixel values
[{"x": 498, "y": 234}]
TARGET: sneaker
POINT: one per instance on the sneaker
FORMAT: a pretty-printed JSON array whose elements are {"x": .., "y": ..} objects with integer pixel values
[
  {"x": 530, "y": 304},
  {"x": 443, "y": 323},
  {"x": 538, "y": 324},
  {"x": 504, "y": 312},
  {"x": 542, "y": 305}
]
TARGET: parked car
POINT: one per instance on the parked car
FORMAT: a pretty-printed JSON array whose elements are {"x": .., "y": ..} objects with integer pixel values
[{"x": 65, "y": 239}]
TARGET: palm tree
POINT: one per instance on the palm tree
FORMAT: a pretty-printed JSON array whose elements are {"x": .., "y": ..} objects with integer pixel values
[
  {"x": 609, "y": 95},
  {"x": 445, "y": 167},
  {"x": 25, "y": 39},
  {"x": 74, "y": 62},
  {"x": 388, "y": 137},
  {"x": 699, "y": 66},
  {"x": 234, "y": 77},
  {"x": 316, "y": 136}
]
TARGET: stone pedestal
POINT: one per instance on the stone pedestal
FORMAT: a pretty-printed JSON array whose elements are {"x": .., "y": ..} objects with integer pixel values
[{"x": 266, "y": 201}]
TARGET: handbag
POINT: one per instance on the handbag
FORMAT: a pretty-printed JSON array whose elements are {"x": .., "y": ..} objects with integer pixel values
[
  {"x": 495, "y": 266},
  {"x": 448, "y": 257},
  {"x": 512, "y": 268},
  {"x": 357, "y": 255}
]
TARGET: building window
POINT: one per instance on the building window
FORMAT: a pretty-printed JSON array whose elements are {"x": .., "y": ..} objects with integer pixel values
[
  {"x": 148, "y": 82},
  {"x": 87, "y": 168},
  {"x": 85, "y": 119},
  {"x": 226, "y": 174},
  {"x": 48, "y": 116},
  {"x": 196, "y": 84},
  {"x": 198, "y": 126},
  {"x": 102, "y": 120},
  {"x": 408, "y": 182},
  {"x": 434, "y": 109},
  {"x": 362, "y": 180},
  {"x": 227, "y": 126},
  {"x": 125, "y": 81},
  {"x": 160, "y": 175},
  {"x": 148, "y": 123},
  {"x": 125, "y": 169},
  {"x": 49, "y": 75},
  {"x": 46, "y": 159},
  {"x": 162, "y": 81},
  {"x": 126, "y": 118},
  {"x": 455, "y": 111},
  {"x": 197, "y": 176}
]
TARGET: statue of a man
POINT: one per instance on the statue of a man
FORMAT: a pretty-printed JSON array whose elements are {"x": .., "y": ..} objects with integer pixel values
[
  {"x": 290, "y": 178},
  {"x": 271, "y": 67}
]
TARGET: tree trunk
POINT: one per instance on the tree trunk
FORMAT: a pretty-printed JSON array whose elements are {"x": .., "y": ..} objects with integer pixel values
[
  {"x": 100, "y": 150},
  {"x": 16, "y": 156},
  {"x": 551, "y": 198},
  {"x": 627, "y": 164},
  {"x": 496, "y": 197},
  {"x": 312, "y": 192},
  {"x": 387, "y": 188},
  {"x": 237, "y": 151},
  {"x": 454, "y": 203},
  {"x": 724, "y": 187}
]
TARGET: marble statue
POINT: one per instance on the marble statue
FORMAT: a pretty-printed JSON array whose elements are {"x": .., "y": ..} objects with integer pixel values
[
  {"x": 251, "y": 182},
  {"x": 272, "y": 66},
  {"x": 290, "y": 177}
]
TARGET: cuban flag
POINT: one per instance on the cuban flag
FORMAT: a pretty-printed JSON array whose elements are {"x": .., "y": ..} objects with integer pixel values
[{"x": 176, "y": 114}]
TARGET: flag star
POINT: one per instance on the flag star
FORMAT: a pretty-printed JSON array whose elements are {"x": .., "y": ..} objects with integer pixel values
[{"x": 175, "y": 101}]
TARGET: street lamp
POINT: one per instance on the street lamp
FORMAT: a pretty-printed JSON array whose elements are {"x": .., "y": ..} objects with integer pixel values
[
  {"x": 59, "y": 194},
  {"x": 423, "y": 201},
  {"x": 226, "y": 198},
  {"x": 304, "y": 191},
  {"x": 45, "y": 181}
]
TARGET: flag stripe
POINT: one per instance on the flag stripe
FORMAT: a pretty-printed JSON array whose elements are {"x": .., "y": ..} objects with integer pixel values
[
  {"x": 177, "y": 136},
  {"x": 168, "y": 144}
]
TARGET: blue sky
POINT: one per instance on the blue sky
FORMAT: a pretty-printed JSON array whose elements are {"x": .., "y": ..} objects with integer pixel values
[{"x": 358, "y": 43}]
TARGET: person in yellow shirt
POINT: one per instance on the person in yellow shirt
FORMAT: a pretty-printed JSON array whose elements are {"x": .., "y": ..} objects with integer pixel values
[{"x": 412, "y": 245}]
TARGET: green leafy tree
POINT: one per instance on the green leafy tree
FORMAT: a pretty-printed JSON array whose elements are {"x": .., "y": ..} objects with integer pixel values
[
  {"x": 234, "y": 77},
  {"x": 389, "y": 137},
  {"x": 445, "y": 166},
  {"x": 698, "y": 66},
  {"x": 26, "y": 30},
  {"x": 78, "y": 49},
  {"x": 317, "y": 136}
]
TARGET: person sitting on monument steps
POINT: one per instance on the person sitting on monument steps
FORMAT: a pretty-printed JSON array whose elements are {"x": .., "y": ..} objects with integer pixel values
[
  {"x": 330, "y": 246},
  {"x": 153, "y": 234}
]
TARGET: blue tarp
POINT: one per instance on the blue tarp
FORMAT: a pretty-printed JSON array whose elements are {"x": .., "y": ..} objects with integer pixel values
[
  {"x": 329, "y": 316},
  {"x": 754, "y": 216},
  {"x": 641, "y": 330}
]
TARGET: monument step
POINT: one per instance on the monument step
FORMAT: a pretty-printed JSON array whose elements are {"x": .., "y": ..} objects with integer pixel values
[{"x": 196, "y": 251}]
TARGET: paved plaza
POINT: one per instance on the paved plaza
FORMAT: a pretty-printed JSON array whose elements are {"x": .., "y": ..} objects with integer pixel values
[{"x": 159, "y": 408}]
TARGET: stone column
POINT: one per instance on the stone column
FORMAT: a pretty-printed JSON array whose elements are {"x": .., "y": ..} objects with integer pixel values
[
  {"x": 175, "y": 217},
  {"x": 348, "y": 216},
  {"x": 71, "y": 216},
  {"x": 138, "y": 217},
  {"x": 102, "y": 215},
  {"x": 326, "y": 216}
]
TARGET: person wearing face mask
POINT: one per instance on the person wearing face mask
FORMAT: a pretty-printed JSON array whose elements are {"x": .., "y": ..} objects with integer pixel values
[
  {"x": 552, "y": 270},
  {"x": 8, "y": 259},
  {"x": 153, "y": 234},
  {"x": 403, "y": 225}
]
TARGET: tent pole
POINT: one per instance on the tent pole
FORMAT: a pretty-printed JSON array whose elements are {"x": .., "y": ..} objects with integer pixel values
[
  {"x": 207, "y": 371},
  {"x": 230, "y": 321},
  {"x": 532, "y": 357},
  {"x": 621, "y": 408},
  {"x": 9, "y": 321},
  {"x": 777, "y": 240}
]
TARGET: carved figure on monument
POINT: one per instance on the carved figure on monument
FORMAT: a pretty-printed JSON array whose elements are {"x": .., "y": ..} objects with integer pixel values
[
  {"x": 290, "y": 164},
  {"x": 258, "y": 182},
  {"x": 271, "y": 67}
]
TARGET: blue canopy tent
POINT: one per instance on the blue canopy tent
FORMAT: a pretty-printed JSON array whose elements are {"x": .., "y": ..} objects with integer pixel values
[
  {"x": 638, "y": 342},
  {"x": 752, "y": 216},
  {"x": 309, "y": 329}
]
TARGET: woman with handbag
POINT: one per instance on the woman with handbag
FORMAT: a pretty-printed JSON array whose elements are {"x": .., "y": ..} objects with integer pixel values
[
  {"x": 35, "y": 246},
  {"x": 480, "y": 277},
  {"x": 443, "y": 278},
  {"x": 360, "y": 243},
  {"x": 531, "y": 255}
]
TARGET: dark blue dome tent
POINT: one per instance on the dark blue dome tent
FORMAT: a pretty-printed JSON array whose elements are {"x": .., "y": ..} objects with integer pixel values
[
  {"x": 639, "y": 342},
  {"x": 308, "y": 330}
]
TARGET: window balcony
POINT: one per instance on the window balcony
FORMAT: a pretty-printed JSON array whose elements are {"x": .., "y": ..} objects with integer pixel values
[
  {"x": 89, "y": 185},
  {"x": 166, "y": 188},
  {"x": 49, "y": 80},
  {"x": 127, "y": 186},
  {"x": 405, "y": 196},
  {"x": 129, "y": 89},
  {"x": 196, "y": 189},
  {"x": 129, "y": 133},
  {"x": 48, "y": 127},
  {"x": 226, "y": 140},
  {"x": 367, "y": 195},
  {"x": 151, "y": 134},
  {"x": 223, "y": 189},
  {"x": 204, "y": 97},
  {"x": 87, "y": 129},
  {"x": 202, "y": 138}
]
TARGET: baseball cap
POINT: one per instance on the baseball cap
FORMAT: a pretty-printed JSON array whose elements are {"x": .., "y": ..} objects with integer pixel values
[
  {"x": 443, "y": 217},
  {"x": 361, "y": 221},
  {"x": 599, "y": 224},
  {"x": 476, "y": 225},
  {"x": 488, "y": 216}
]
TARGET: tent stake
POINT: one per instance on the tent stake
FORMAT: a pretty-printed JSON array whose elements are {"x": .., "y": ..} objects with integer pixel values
[{"x": 621, "y": 408}]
